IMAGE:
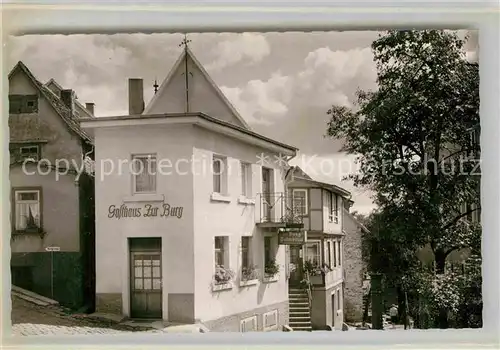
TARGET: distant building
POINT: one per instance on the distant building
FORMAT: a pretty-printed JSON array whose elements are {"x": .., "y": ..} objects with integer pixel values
[
  {"x": 323, "y": 218},
  {"x": 354, "y": 268},
  {"x": 50, "y": 205},
  {"x": 195, "y": 237}
]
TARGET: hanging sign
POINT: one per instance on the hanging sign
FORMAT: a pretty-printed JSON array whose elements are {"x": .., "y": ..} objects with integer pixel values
[{"x": 292, "y": 237}]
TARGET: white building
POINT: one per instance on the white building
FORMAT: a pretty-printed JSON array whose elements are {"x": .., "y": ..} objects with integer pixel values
[{"x": 160, "y": 234}]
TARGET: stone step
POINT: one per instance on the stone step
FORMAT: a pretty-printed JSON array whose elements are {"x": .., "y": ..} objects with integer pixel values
[
  {"x": 299, "y": 319},
  {"x": 298, "y": 304},
  {"x": 298, "y": 301},
  {"x": 40, "y": 299},
  {"x": 300, "y": 323},
  {"x": 302, "y": 329},
  {"x": 300, "y": 313},
  {"x": 298, "y": 297}
]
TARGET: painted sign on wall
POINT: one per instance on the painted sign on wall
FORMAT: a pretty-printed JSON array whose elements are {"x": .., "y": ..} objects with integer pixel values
[
  {"x": 292, "y": 237},
  {"x": 148, "y": 210}
]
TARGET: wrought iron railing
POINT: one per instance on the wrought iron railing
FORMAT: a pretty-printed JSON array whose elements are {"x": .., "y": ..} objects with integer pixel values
[{"x": 280, "y": 208}]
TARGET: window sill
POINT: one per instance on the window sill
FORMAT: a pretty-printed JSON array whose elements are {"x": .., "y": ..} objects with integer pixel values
[
  {"x": 15, "y": 234},
  {"x": 249, "y": 283},
  {"x": 217, "y": 197},
  {"x": 221, "y": 286},
  {"x": 246, "y": 200},
  {"x": 139, "y": 197},
  {"x": 270, "y": 279}
]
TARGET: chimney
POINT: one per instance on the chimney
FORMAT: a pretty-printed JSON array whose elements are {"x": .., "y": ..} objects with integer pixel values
[
  {"x": 135, "y": 96},
  {"x": 68, "y": 98},
  {"x": 89, "y": 106}
]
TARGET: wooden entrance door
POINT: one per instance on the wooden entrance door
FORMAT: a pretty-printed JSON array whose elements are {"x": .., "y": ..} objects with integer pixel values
[
  {"x": 296, "y": 274},
  {"x": 266, "y": 194},
  {"x": 146, "y": 280}
]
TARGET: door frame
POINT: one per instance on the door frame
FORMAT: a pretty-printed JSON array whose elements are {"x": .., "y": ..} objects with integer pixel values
[{"x": 145, "y": 249}]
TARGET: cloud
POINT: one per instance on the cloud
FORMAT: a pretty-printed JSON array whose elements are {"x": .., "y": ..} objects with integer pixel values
[
  {"x": 261, "y": 102},
  {"x": 293, "y": 108},
  {"x": 249, "y": 48}
]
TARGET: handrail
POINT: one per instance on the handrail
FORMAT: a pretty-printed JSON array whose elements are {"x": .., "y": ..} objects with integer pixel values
[{"x": 308, "y": 289}]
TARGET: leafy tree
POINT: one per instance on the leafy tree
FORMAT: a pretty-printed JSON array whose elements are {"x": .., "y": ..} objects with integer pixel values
[{"x": 412, "y": 141}]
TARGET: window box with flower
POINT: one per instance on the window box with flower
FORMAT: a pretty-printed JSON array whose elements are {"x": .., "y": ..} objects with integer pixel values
[
  {"x": 271, "y": 270},
  {"x": 222, "y": 278},
  {"x": 249, "y": 276},
  {"x": 316, "y": 272}
]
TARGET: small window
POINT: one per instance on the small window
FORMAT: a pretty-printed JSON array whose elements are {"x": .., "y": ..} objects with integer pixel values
[
  {"x": 329, "y": 206},
  {"x": 335, "y": 208},
  {"x": 267, "y": 250},
  {"x": 339, "y": 253},
  {"x": 246, "y": 258},
  {"x": 329, "y": 253},
  {"x": 27, "y": 211},
  {"x": 221, "y": 251},
  {"x": 20, "y": 104},
  {"x": 246, "y": 180},
  {"x": 334, "y": 253},
  {"x": 313, "y": 253},
  {"x": 300, "y": 201},
  {"x": 31, "y": 152},
  {"x": 219, "y": 174},
  {"x": 144, "y": 173}
]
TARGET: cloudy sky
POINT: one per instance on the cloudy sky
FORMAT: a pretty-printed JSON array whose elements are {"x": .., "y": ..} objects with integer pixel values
[{"x": 281, "y": 83}]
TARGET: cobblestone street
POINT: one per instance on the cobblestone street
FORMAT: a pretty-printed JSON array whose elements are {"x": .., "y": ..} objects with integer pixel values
[{"x": 30, "y": 319}]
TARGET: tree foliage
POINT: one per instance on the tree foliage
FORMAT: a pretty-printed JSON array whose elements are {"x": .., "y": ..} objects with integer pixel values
[{"x": 412, "y": 141}]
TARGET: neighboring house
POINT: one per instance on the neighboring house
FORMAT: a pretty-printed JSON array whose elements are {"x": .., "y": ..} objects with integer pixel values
[
  {"x": 50, "y": 205},
  {"x": 190, "y": 240},
  {"x": 323, "y": 221},
  {"x": 354, "y": 267}
]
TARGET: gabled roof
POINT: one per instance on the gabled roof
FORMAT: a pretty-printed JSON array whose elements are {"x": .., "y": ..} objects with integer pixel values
[
  {"x": 54, "y": 101},
  {"x": 187, "y": 53},
  {"x": 356, "y": 221},
  {"x": 301, "y": 175},
  {"x": 59, "y": 88}
]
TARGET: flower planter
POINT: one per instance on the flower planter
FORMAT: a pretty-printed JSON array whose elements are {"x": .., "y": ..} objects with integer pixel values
[
  {"x": 217, "y": 287},
  {"x": 270, "y": 278},
  {"x": 316, "y": 280},
  {"x": 246, "y": 283}
]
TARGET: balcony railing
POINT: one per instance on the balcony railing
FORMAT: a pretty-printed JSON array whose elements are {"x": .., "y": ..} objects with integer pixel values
[{"x": 280, "y": 209}]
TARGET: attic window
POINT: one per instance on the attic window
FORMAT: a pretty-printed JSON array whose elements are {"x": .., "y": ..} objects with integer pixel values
[{"x": 21, "y": 104}]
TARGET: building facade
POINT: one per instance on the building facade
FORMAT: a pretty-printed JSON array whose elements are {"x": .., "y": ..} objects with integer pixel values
[
  {"x": 51, "y": 204},
  {"x": 190, "y": 239},
  {"x": 322, "y": 254}
]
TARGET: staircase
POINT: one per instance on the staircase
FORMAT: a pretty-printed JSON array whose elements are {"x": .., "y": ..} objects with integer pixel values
[{"x": 300, "y": 312}]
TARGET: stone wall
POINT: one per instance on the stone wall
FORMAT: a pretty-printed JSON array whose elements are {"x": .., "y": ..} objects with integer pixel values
[{"x": 354, "y": 268}]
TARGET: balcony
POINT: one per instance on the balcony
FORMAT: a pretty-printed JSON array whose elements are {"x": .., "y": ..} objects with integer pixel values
[{"x": 277, "y": 210}]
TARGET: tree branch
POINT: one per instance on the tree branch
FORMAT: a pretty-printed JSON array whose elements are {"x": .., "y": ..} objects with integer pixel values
[{"x": 456, "y": 219}]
